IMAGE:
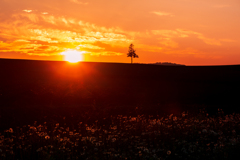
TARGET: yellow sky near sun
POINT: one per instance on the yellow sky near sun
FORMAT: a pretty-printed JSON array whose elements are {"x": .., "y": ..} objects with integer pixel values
[{"x": 191, "y": 32}]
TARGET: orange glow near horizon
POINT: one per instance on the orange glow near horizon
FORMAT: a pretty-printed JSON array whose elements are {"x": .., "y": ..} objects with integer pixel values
[{"x": 188, "y": 32}]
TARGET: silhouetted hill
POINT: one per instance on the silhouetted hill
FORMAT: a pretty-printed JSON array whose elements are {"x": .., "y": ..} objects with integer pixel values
[
  {"x": 88, "y": 91},
  {"x": 62, "y": 83},
  {"x": 164, "y": 64}
]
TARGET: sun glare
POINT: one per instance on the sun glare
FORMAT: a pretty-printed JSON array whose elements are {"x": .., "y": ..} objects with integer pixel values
[{"x": 73, "y": 56}]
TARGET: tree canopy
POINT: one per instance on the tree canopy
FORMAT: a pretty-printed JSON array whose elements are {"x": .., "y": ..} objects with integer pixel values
[{"x": 132, "y": 52}]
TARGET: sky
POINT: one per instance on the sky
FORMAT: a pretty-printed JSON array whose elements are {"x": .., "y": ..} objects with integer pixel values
[{"x": 190, "y": 32}]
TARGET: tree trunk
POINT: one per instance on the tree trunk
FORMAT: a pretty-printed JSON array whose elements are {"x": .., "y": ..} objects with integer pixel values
[{"x": 131, "y": 60}]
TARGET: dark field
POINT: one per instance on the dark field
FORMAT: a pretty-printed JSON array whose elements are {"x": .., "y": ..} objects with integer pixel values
[{"x": 97, "y": 94}]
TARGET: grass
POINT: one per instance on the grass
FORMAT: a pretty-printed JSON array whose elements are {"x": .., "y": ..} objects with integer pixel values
[{"x": 185, "y": 136}]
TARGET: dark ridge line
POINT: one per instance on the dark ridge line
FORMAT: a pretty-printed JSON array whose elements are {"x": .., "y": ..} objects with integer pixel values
[{"x": 152, "y": 64}]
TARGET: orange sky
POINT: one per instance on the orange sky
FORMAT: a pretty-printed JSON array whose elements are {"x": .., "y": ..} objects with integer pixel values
[{"x": 190, "y": 32}]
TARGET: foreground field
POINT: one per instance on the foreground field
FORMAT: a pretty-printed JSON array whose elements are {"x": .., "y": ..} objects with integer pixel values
[
  {"x": 185, "y": 136},
  {"x": 117, "y": 111}
]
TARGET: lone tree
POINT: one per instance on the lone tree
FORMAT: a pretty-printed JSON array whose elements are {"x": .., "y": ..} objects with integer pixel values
[{"x": 132, "y": 53}]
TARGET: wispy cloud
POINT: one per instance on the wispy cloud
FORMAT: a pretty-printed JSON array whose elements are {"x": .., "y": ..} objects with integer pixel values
[
  {"x": 185, "y": 33},
  {"x": 170, "y": 33},
  {"x": 90, "y": 46},
  {"x": 60, "y": 33},
  {"x": 159, "y": 13},
  {"x": 28, "y": 11},
  {"x": 33, "y": 39},
  {"x": 79, "y": 2},
  {"x": 106, "y": 53}
]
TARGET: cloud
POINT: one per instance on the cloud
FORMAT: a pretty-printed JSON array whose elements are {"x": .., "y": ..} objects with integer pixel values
[
  {"x": 4, "y": 46},
  {"x": 49, "y": 34},
  {"x": 106, "y": 53},
  {"x": 21, "y": 41},
  {"x": 29, "y": 48},
  {"x": 182, "y": 51},
  {"x": 90, "y": 46},
  {"x": 170, "y": 34},
  {"x": 79, "y": 2},
  {"x": 210, "y": 41},
  {"x": 28, "y": 11},
  {"x": 159, "y": 13},
  {"x": 149, "y": 48},
  {"x": 36, "y": 34},
  {"x": 169, "y": 43}
]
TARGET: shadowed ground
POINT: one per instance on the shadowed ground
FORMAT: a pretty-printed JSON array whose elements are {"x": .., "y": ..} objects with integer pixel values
[{"x": 34, "y": 89}]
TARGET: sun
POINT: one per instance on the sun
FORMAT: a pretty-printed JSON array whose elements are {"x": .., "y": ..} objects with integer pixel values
[{"x": 73, "y": 56}]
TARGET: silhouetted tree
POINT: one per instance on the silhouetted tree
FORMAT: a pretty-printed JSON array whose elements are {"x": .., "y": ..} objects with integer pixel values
[{"x": 131, "y": 52}]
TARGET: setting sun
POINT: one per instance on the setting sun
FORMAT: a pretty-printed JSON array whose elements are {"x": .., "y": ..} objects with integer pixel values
[{"x": 73, "y": 56}]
